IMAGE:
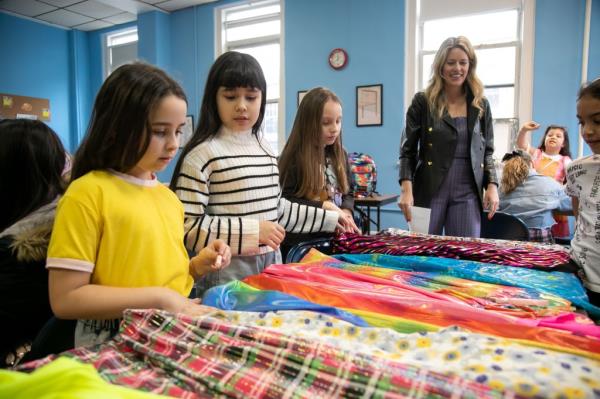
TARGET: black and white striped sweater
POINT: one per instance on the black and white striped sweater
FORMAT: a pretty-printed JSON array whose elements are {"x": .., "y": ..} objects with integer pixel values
[{"x": 231, "y": 183}]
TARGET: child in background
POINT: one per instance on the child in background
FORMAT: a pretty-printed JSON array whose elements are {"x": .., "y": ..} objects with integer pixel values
[
  {"x": 117, "y": 241},
  {"x": 550, "y": 159},
  {"x": 583, "y": 185},
  {"x": 32, "y": 160},
  {"x": 530, "y": 196},
  {"x": 227, "y": 176},
  {"x": 313, "y": 166}
]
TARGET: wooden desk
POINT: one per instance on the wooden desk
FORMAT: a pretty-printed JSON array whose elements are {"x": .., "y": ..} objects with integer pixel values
[{"x": 360, "y": 204}]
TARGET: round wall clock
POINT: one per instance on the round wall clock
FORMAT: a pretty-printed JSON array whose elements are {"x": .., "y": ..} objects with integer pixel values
[{"x": 338, "y": 58}]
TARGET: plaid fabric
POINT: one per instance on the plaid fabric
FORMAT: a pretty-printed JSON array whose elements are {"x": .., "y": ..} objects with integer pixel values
[
  {"x": 206, "y": 357},
  {"x": 541, "y": 235}
]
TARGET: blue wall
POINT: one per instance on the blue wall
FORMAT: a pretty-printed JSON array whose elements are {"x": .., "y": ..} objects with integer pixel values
[
  {"x": 37, "y": 63},
  {"x": 557, "y": 65},
  {"x": 373, "y": 37},
  {"x": 594, "y": 57}
]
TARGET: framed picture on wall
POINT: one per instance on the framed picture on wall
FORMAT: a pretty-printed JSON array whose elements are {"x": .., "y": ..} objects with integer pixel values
[
  {"x": 369, "y": 105},
  {"x": 301, "y": 94},
  {"x": 186, "y": 131}
]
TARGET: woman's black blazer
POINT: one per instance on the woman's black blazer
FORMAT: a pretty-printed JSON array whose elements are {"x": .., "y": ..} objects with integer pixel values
[{"x": 428, "y": 145}]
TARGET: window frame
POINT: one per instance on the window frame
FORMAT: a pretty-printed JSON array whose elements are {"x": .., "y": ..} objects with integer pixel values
[
  {"x": 524, "y": 55},
  {"x": 106, "y": 47},
  {"x": 222, "y": 46}
]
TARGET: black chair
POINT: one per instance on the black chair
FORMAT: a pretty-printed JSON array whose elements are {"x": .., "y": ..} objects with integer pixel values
[
  {"x": 504, "y": 226},
  {"x": 298, "y": 251}
]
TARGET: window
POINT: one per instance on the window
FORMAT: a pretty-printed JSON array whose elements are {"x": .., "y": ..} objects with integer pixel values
[
  {"x": 495, "y": 30},
  {"x": 255, "y": 28},
  {"x": 120, "y": 48}
]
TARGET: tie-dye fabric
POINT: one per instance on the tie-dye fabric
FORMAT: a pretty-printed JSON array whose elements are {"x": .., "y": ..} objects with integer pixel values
[
  {"x": 239, "y": 296},
  {"x": 501, "y": 252},
  {"x": 514, "y": 301},
  {"x": 349, "y": 290},
  {"x": 565, "y": 285},
  {"x": 502, "y": 363},
  {"x": 209, "y": 357}
]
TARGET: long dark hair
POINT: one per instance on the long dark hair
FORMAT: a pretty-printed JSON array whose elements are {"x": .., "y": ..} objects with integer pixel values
[
  {"x": 119, "y": 131},
  {"x": 302, "y": 156},
  {"x": 566, "y": 149},
  {"x": 230, "y": 70},
  {"x": 591, "y": 89},
  {"x": 32, "y": 159}
]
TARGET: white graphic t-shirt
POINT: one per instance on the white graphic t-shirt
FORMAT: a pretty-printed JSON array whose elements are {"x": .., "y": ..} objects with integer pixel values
[{"x": 583, "y": 182}]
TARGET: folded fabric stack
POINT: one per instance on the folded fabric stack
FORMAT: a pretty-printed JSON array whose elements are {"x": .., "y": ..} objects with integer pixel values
[
  {"x": 233, "y": 355},
  {"x": 503, "y": 252}
]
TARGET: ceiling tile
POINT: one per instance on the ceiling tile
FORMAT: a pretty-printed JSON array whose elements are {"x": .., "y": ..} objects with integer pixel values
[
  {"x": 94, "y": 9},
  {"x": 172, "y": 5},
  {"x": 151, "y": 1},
  {"x": 132, "y": 6},
  {"x": 65, "y": 18},
  {"x": 97, "y": 24},
  {"x": 61, "y": 3},
  {"x": 28, "y": 8},
  {"x": 121, "y": 18}
]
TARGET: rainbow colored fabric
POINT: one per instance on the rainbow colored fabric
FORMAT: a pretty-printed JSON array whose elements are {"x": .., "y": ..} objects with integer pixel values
[
  {"x": 564, "y": 285},
  {"x": 385, "y": 297}
]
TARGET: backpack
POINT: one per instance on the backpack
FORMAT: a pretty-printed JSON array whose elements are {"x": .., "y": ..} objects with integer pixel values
[{"x": 363, "y": 174}]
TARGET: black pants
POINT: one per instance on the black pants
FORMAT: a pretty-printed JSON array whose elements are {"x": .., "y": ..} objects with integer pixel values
[{"x": 55, "y": 337}]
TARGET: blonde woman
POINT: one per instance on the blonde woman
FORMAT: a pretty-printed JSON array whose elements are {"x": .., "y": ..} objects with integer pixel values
[{"x": 447, "y": 145}]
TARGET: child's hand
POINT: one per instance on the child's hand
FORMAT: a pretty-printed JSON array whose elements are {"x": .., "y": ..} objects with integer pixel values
[
  {"x": 529, "y": 126},
  {"x": 196, "y": 309},
  {"x": 270, "y": 233},
  {"x": 330, "y": 206},
  {"x": 174, "y": 302},
  {"x": 215, "y": 256},
  {"x": 346, "y": 222}
]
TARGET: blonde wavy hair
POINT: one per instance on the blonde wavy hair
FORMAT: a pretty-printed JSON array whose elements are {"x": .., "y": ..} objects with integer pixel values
[
  {"x": 515, "y": 171},
  {"x": 435, "y": 89},
  {"x": 303, "y": 156}
]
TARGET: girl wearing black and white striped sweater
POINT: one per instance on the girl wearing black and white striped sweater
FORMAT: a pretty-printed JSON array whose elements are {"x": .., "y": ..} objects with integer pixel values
[{"x": 228, "y": 180}]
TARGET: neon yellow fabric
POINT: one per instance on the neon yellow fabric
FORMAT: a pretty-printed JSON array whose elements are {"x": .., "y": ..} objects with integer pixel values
[
  {"x": 127, "y": 232},
  {"x": 64, "y": 378}
]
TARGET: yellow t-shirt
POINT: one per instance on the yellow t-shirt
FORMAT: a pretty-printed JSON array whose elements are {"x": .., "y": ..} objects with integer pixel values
[{"x": 127, "y": 232}]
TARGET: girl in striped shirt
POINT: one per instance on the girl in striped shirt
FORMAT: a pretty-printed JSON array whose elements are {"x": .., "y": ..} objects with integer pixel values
[{"x": 228, "y": 180}]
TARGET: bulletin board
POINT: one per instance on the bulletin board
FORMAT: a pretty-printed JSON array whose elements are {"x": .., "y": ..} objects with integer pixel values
[{"x": 22, "y": 107}]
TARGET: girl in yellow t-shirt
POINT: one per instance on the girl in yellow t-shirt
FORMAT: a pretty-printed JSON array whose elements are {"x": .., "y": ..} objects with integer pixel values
[{"x": 117, "y": 241}]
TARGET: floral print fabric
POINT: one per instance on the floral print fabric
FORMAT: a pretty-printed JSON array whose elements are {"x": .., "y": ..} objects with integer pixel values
[{"x": 500, "y": 363}]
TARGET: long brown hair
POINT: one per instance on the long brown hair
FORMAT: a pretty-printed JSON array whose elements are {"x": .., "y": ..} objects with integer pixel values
[
  {"x": 435, "y": 89},
  {"x": 302, "y": 155},
  {"x": 515, "y": 171},
  {"x": 119, "y": 131}
]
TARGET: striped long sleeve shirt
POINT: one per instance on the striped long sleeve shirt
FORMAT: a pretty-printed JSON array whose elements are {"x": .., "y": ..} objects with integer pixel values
[{"x": 231, "y": 183}]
